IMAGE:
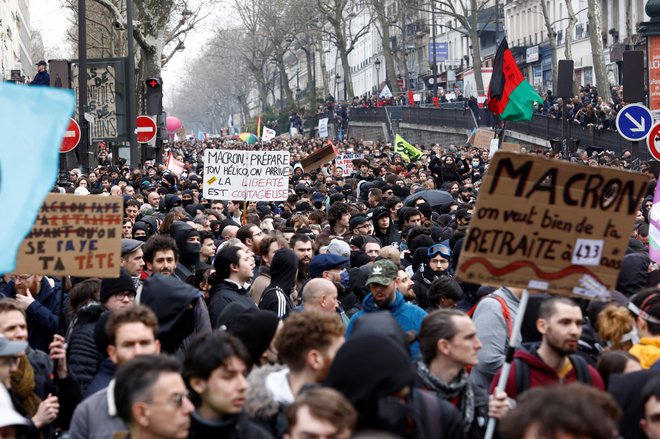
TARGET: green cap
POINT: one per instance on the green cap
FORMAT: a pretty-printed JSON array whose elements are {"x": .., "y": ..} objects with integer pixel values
[{"x": 383, "y": 272}]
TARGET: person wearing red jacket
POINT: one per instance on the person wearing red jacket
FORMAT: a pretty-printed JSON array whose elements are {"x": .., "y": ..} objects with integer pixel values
[{"x": 555, "y": 359}]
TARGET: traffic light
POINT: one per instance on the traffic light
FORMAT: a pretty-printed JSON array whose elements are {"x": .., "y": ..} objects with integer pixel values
[{"x": 154, "y": 95}]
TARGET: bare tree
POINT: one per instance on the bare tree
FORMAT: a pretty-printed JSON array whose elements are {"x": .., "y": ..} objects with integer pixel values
[
  {"x": 37, "y": 50},
  {"x": 160, "y": 28},
  {"x": 464, "y": 15},
  {"x": 596, "y": 38},
  {"x": 339, "y": 15},
  {"x": 552, "y": 36},
  {"x": 384, "y": 31},
  {"x": 572, "y": 19}
]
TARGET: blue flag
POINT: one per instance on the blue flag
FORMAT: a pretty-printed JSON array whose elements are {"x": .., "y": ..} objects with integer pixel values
[
  {"x": 32, "y": 122},
  {"x": 200, "y": 135}
]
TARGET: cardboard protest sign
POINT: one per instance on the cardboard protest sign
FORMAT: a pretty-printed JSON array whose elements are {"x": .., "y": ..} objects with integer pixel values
[
  {"x": 318, "y": 158},
  {"x": 345, "y": 162},
  {"x": 74, "y": 235},
  {"x": 550, "y": 225},
  {"x": 246, "y": 175},
  {"x": 506, "y": 146},
  {"x": 481, "y": 139}
]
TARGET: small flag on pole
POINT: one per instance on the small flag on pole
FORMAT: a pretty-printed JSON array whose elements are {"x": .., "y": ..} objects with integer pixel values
[
  {"x": 407, "y": 151},
  {"x": 173, "y": 165},
  {"x": 510, "y": 96}
]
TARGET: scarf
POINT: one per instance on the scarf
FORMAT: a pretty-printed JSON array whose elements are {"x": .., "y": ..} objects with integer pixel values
[
  {"x": 447, "y": 391},
  {"x": 22, "y": 383}
]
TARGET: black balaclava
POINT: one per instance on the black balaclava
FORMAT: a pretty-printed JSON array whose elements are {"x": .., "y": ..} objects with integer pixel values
[
  {"x": 188, "y": 251},
  {"x": 283, "y": 270}
]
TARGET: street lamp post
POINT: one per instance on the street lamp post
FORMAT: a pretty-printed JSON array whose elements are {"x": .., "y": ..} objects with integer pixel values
[
  {"x": 337, "y": 81},
  {"x": 435, "y": 61},
  {"x": 377, "y": 65}
]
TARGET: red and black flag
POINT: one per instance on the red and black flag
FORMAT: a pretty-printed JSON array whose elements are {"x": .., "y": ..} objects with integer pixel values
[{"x": 510, "y": 96}]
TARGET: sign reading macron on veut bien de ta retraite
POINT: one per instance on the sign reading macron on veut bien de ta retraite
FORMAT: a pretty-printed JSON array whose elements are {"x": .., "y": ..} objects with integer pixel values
[
  {"x": 246, "y": 175},
  {"x": 550, "y": 225}
]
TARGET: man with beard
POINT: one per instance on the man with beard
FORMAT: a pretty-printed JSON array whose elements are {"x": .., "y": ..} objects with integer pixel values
[
  {"x": 554, "y": 360},
  {"x": 465, "y": 197},
  {"x": 306, "y": 345},
  {"x": 302, "y": 246},
  {"x": 161, "y": 255},
  {"x": 384, "y": 296}
]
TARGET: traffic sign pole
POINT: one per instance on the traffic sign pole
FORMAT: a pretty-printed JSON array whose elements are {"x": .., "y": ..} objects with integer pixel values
[{"x": 653, "y": 141}]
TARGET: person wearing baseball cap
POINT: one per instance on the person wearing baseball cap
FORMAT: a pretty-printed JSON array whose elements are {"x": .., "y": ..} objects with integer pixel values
[
  {"x": 384, "y": 296},
  {"x": 42, "y": 77}
]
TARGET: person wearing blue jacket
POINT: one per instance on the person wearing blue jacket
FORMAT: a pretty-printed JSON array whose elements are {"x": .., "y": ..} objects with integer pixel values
[
  {"x": 385, "y": 297},
  {"x": 41, "y": 298}
]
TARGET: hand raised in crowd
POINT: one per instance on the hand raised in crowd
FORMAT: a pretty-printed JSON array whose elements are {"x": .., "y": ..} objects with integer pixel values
[
  {"x": 47, "y": 411},
  {"x": 498, "y": 405},
  {"x": 25, "y": 300},
  {"x": 57, "y": 350}
]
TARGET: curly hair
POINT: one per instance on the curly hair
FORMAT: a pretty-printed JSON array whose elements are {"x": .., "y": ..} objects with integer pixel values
[
  {"x": 305, "y": 331},
  {"x": 613, "y": 323}
]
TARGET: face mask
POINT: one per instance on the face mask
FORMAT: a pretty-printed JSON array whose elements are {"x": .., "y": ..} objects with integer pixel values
[
  {"x": 345, "y": 278},
  {"x": 192, "y": 248},
  {"x": 141, "y": 238},
  {"x": 475, "y": 163},
  {"x": 185, "y": 203}
]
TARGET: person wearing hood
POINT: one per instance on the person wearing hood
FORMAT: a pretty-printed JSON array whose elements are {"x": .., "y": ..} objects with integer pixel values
[
  {"x": 437, "y": 264},
  {"x": 173, "y": 302},
  {"x": 189, "y": 245},
  {"x": 384, "y": 296},
  {"x": 634, "y": 274},
  {"x": 233, "y": 269},
  {"x": 283, "y": 272},
  {"x": 374, "y": 372},
  {"x": 383, "y": 228}
]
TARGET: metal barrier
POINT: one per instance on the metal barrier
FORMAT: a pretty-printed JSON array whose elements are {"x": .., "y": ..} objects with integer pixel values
[{"x": 541, "y": 126}]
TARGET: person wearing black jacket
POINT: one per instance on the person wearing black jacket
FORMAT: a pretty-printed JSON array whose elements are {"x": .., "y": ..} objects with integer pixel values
[
  {"x": 445, "y": 171},
  {"x": 277, "y": 296},
  {"x": 383, "y": 228},
  {"x": 214, "y": 370},
  {"x": 233, "y": 269}
]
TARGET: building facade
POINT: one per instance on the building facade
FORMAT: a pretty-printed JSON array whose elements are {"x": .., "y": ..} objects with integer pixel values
[{"x": 15, "y": 40}]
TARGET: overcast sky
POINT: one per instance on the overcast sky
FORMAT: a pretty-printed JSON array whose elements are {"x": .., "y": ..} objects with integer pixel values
[{"x": 51, "y": 19}]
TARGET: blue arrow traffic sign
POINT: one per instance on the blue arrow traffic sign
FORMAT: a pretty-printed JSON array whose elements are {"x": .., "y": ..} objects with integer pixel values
[{"x": 634, "y": 122}]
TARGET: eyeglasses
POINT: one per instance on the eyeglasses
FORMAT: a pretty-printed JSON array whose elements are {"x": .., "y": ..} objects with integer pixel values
[
  {"x": 22, "y": 277},
  {"x": 175, "y": 401},
  {"x": 124, "y": 295}
]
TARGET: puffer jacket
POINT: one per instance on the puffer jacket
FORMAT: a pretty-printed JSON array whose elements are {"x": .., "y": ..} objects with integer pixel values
[{"x": 83, "y": 357}]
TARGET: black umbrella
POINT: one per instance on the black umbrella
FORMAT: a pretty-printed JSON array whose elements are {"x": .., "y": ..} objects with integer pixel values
[{"x": 436, "y": 198}]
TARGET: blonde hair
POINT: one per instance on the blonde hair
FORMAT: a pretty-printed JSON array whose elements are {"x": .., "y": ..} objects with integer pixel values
[
  {"x": 392, "y": 253},
  {"x": 613, "y": 323}
]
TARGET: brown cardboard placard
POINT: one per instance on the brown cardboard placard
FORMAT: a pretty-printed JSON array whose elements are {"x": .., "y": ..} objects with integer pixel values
[
  {"x": 507, "y": 146},
  {"x": 318, "y": 158},
  {"x": 550, "y": 225},
  {"x": 74, "y": 235},
  {"x": 481, "y": 139}
]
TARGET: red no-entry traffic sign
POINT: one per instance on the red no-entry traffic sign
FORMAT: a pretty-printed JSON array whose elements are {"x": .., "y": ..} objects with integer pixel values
[
  {"x": 71, "y": 136},
  {"x": 653, "y": 141},
  {"x": 146, "y": 129}
]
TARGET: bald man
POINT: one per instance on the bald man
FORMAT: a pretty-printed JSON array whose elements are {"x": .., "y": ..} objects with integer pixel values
[
  {"x": 229, "y": 232},
  {"x": 320, "y": 294}
]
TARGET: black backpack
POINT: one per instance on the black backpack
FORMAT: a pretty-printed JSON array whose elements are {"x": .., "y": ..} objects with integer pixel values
[{"x": 522, "y": 372}]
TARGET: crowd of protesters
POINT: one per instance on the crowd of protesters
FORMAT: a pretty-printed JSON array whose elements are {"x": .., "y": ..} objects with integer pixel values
[{"x": 331, "y": 314}]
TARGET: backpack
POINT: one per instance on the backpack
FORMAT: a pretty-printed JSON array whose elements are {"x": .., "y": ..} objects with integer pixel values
[
  {"x": 506, "y": 313},
  {"x": 522, "y": 372}
]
